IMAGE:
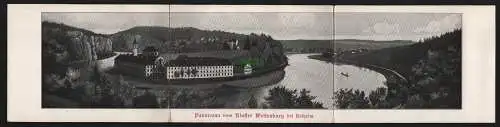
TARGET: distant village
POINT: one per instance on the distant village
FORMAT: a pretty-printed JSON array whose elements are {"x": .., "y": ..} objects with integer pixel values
[{"x": 339, "y": 53}]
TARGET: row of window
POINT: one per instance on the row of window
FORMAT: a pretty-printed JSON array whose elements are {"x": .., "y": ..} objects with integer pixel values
[
  {"x": 172, "y": 73},
  {"x": 202, "y": 67},
  {"x": 171, "y": 76},
  {"x": 202, "y": 71},
  {"x": 198, "y": 67}
]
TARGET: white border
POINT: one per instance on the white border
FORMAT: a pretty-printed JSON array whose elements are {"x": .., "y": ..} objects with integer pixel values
[
  {"x": 24, "y": 88},
  {"x": 478, "y": 61}
]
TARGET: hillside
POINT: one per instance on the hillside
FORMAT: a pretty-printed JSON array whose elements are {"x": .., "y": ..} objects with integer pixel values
[
  {"x": 401, "y": 58},
  {"x": 432, "y": 67},
  {"x": 186, "y": 39},
  {"x": 347, "y": 44},
  {"x": 262, "y": 49}
]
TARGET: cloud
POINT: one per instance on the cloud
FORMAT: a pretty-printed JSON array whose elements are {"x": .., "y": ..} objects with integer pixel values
[
  {"x": 278, "y": 25},
  {"x": 441, "y": 25},
  {"x": 382, "y": 28}
]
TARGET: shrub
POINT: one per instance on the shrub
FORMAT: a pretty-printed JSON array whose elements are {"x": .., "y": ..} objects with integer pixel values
[{"x": 281, "y": 97}]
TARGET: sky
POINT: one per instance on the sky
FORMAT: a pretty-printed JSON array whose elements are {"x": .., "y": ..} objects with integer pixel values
[
  {"x": 394, "y": 26},
  {"x": 280, "y": 25}
]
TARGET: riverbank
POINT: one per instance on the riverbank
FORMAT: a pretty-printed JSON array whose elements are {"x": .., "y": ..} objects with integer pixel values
[
  {"x": 239, "y": 80},
  {"x": 389, "y": 74}
]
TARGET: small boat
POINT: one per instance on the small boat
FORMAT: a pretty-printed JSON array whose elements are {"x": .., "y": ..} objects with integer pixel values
[{"x": 344, "y": 74}]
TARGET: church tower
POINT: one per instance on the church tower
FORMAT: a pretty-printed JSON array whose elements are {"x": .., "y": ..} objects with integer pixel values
[{"x": 135, "y": 47}]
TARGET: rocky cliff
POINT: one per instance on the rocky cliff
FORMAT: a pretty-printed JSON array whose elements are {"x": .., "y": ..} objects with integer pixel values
[{"x": 67, "y": 43}]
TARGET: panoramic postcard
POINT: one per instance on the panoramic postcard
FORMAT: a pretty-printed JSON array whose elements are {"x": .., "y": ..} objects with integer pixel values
[
  {"x": 264, "y": 60},
  {"x": 396, "y": 60},
  {"x": 210, "y": 60}
]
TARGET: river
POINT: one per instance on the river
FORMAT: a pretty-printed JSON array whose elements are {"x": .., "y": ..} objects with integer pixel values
[{"x": 321, "y": 78}]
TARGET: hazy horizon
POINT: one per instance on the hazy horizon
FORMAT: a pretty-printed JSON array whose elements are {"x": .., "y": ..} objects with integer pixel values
[
  {"x": 394, "y": 26},
  {"x": 280, "y": 26}
]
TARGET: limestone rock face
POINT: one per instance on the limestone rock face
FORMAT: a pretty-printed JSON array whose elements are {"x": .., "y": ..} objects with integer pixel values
[
  {"x": 86, "y": 47},
  {"x": 79, "y": 44}
]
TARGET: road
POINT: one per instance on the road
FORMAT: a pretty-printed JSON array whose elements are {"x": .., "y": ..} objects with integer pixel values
[{"x": 380, "y": 69}]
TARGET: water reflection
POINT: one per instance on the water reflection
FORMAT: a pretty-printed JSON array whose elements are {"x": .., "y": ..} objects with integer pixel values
[
  {"x": 320, "y": 77},
  {"x": 304, "y": 73},
  {"x": 359, "y": 78}
]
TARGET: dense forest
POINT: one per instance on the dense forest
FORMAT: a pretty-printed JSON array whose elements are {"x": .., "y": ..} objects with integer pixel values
[
  {"x": 432, "y": 67},
  {"x": 258, "y": 49}
]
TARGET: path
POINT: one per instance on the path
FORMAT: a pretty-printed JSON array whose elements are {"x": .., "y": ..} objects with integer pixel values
[{"x": 377, "y": 68}]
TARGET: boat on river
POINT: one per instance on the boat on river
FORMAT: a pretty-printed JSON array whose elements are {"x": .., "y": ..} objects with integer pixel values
[{"x": 344, "y": 74}]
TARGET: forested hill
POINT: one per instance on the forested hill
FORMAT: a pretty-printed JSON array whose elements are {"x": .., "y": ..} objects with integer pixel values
[
  {"x": 402, "y": 58},
  {"x": 262, "y": 49},
  {"x": 433, "y": 68},
  {"x": 185, "y": 39},
  {"x": 66, "y": 43}
]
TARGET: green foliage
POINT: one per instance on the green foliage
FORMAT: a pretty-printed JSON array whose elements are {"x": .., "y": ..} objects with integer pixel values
[{"x": 281, "y": 97}]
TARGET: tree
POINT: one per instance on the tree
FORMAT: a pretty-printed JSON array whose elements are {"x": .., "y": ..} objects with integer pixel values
[
  {"x": 99, "y": 77},
  {"x": 105, "y": 94},
  {"x": 108, "y": 101},
  {"x": 124, "y": 90},
  {"x": 252, "y": 102},
  {"x": 225, "y": 46},
  {"x": 377, "y": 97},
  {"x": 347, "y": 98},
  {"x": 304, "y": 100},
  {"x": 281, "y": 97},
  {"x": 247, "y": 43},
  {"x": 192, "y": 99},
  {"x": 148, "y": 100}
]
